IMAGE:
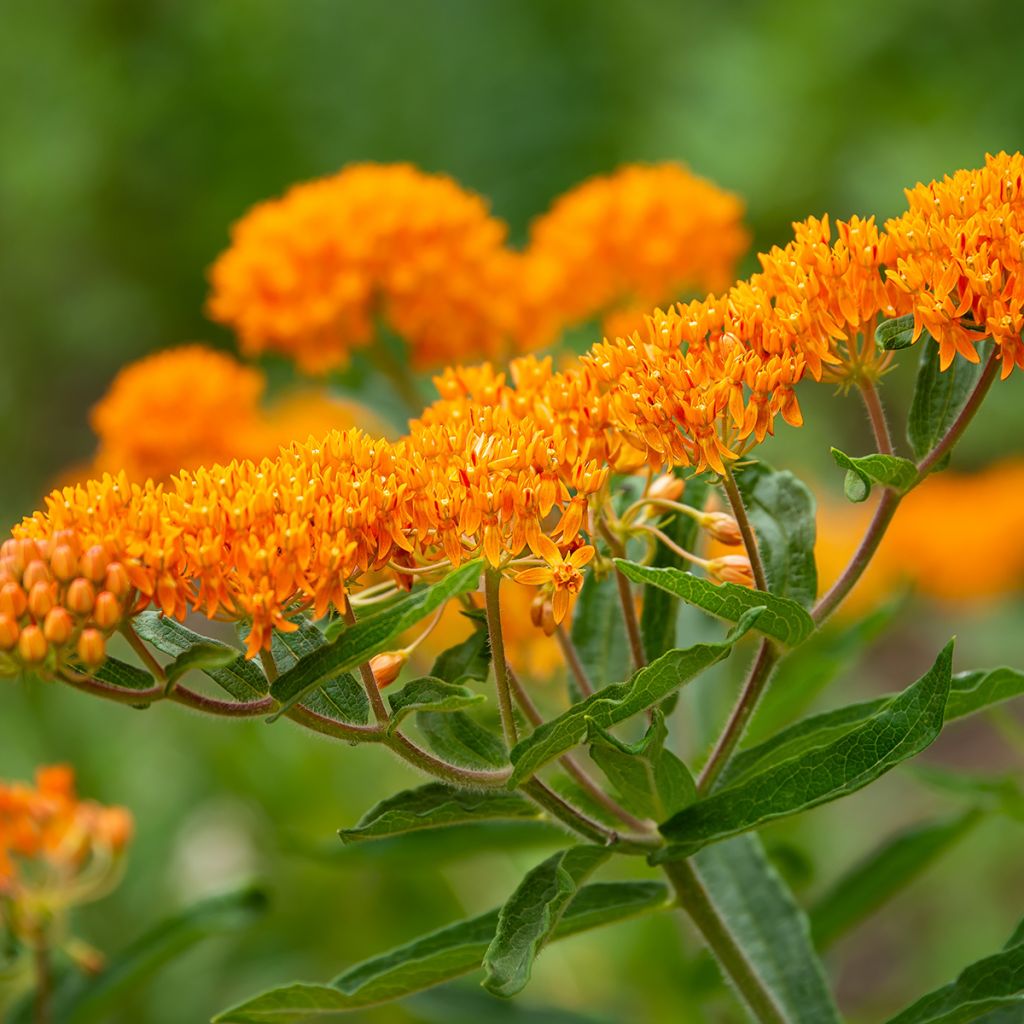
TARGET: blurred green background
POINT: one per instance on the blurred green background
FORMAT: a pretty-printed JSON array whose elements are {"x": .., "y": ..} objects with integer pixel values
[{"x": 131, "y": 136}]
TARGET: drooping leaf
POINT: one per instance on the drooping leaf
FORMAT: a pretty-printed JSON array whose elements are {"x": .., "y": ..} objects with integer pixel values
[
  {"x": 202, "y": 657},
  {"x": 884, "y": 873},
  {"x": 895, "y": 334},
  {"x": 940, "y": 395},
  {"x": 436, "y": 958},
  {"x": 781, "y": 510},
  {"x": 651, "y": 780},
  {"x": 460, "y": 739},
  {"x": 969, "y": 692},
  {"x": 436, "y": 805},
  {"x": 660, "y": 607},
  {"x": 368, "y": 637},
  {"x": 240, "y": 678},
  {"x": 986, "y": 986},
  {"x": 599, "y": 633},
  {"x": 901, "y": 728},
  {"x": 647, "y": 687},
  {"x": 121, "y": 674},
  {"x": 782, "y": 619},
  {"x": 866, "y": 470},
  {"x": 429, "y": 694},
  {"x": 531, "y": 914},
  {"x": 768, "y": 928},
  {"x": 95, "y": 999},
  {"x": 470, "y": 659}
]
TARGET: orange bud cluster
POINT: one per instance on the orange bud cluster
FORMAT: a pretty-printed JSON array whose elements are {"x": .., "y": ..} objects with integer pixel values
[
  {"x": 58, "y": 602},
  {"x": 48, "y": 837}
]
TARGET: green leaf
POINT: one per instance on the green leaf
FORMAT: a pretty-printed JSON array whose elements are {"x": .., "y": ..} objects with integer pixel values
[
  {"x": 781, "y": 510},
  {"x": 660, "y": 607},
  {"x": 995, "y": 983},
  {"x": 862, "y": 472},
  {"x": 529, "y": 917},
  {"x": 457, "y": 1004},
  {"x": 120, "y": 673},
  {"x": 202, "y": 657},
  {"x": 895, "y": 334},
  {"x": 436, "y": 958},
  {"x": 901, "y": 728},
  {"x": 457, "y": 738},
  {"x": 884, "y": 873},
  {"x": 768, "y": 928},
  {"x": 99, "y": 998},
  {"x": 616, "y": 703},
  {"x": 969, "y": 692},
  {"x": 436, "y": 806},
  {"x": 939, "y": 396},
  {"x": 651, "y": 780},
  {"x": 372, "y": 635},
  {"x": 429, "y": 694},
  {"x": 782, "y": 619},
  {"x": 470, "y": 659},
  {"x": 1000, "y": 794},
  {"x": 599, "y": 633}
]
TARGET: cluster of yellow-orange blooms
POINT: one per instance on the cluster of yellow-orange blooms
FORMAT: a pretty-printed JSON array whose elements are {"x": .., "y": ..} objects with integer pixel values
[
  {"x": 54, "y": 848},
  {"x": 511, "y": 466}
]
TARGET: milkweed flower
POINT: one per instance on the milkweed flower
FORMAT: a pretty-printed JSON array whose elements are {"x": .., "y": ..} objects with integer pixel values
[
  {"x": 308, "y": 274},
  {"x": 561, "y": 574}
]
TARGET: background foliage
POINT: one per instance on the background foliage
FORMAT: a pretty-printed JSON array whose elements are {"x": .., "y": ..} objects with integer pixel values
[{"x": 133, "y": 134}]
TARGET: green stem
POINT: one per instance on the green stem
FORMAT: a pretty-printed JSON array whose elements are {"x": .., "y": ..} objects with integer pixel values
[
  {"x": 739, "y": 512},
  {"x": 876, "y": 414},
  {"x": 373, "y": 694},
  {"x": 636, "y": 640},
  {"x": 572, "y": 659},
  {"x": 143, "y": 652},
  {"x": 44, "y": 983},
  {"x": 492, "y": 599},
  {"x": 694, "y": 899}
]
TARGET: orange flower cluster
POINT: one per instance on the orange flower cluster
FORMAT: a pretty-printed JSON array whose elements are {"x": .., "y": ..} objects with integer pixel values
[
  {"x": 306, "y": 275},
  {"x": 48, "y": 837},
  {"x": 631, "y": 240},
  {"x": 959, "y": 260},
  {"x": 191, "y": 406}
]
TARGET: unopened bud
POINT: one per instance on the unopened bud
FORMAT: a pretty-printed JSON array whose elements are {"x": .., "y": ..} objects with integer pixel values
[
  {"x": 386, "y": 667},
  {"x": 81, "y": 596},
  {"x": 107, "y": 612},
  {"x": 732, "y": 569},
  {"x": 32, "y": 645},
  {"x": 13, "y": 601},
  {"x": 723, "y": 527},
  {"x": 117, "y": 581},
  {"x": 35, "y": 572},
  {"x": 94, "y": 563},
  {"x": 667, "y": 488},
  {"x": 40, "y": 600},
  {"x": 58, "y": 626},
  {"x": 537, "y": 610},
  {"x": 64, "y": 563},
  {"x": 8, "y": 632},
  {"x": 114, "y": 827},
  {"x": 92, "y": 648}
]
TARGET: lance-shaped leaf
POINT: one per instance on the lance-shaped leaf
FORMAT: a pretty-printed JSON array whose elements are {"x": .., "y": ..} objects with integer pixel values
[
  {"x": 903, "y": 727},
  {"x": 969, "y": 692},
  {"x": 368, "y": 637},
  {"x": 599, "y": 633},
  {"x": 437, "y": 806},
  {"x": 883, "y": 874},
  {"x": 940, "y": 395},
  {"x": 866, "y": 470},
  {"x": 661, "y": 607},
  {"x": 782, "y": 619},
  {"x": 95, "y": 999},
  {"x": 532, "y": 913},
  {"x": 240, "y": 678},
  {"x": 436, "y": 958},
  {"x": 895, "y": 334},
  {"x": 429, "y": 694},
  {"x": 651, "y": 780},
  {"x": 985, "y": 987},
  {"x": 647, "y": 687},
  {"x": 1001, "y": 794},
  {"x": 120, "y": 673},
  {"x": 203, "y": 657},
  {"x": 768, "y": 929},
  {"x": 458, "y": 738},
  {"x": 781, "y": 510},
  {"x": 470, "y": 659}
]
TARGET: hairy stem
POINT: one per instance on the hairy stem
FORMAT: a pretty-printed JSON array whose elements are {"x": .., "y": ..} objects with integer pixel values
[
  {"x": 143, "y": 652},
  {"x": 876, "y": 414},
  {"x": 492, "y": 584},
  {"x": 636, "y": 640},
  {"x": 373, "y": 694},
  {"x": 694, "y": 899},
  {"x": 739, "y": 512},
  {"x": 572, "y": 659}
]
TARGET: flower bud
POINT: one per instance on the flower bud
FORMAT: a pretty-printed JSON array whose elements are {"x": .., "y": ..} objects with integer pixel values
[
  {"x": 40, "y": 600},
  {"x": 732, "y": 569},
  {"x": 114, "y": 827},
  {"x": 107, "y": 612},
  {"x": 117, "y": 581},
  {"x": 13, "y": 601},
  {"x": 35, "y": 572},
  {"x": 92, "y": 648},
  {"x": 386, "y": 667},
  {"x": 94, "y": 563},
  {"x": 32, "y": 645},
  {"x": 8, "y": 632},
  {"x": 58, "y": 626},
  {"x": 537, "y": 610},
  {"x": 64, "y": 563},
  {"x": 723, "y": 527},
  {"x": 667, "y": 488},
  {"x": 81, "y": 597}
]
